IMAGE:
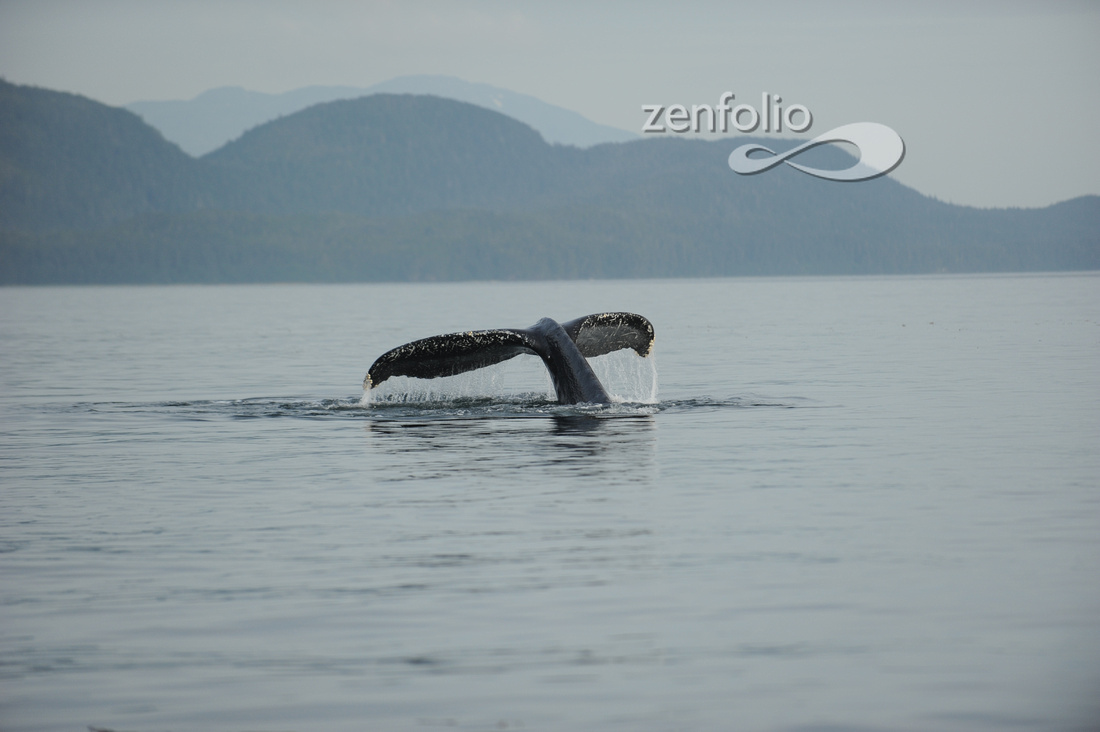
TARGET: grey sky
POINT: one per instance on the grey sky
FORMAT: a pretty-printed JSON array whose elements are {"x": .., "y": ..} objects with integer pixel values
[{"x": 998, "y": 102}]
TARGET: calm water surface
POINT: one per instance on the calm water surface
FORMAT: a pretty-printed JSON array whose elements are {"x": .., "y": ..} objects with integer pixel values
[{"x": 866, "y": 504}]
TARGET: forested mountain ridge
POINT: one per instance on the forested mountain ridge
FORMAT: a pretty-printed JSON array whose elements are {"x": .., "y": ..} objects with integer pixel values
[
  {"x": 404, "y": 187},
  {"x": 67, "y": 161},
  {"x": 213, "y": 118},
  {"x": 387, "y": 155}
]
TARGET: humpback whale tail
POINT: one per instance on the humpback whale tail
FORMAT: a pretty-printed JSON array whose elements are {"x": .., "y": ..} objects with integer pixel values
[{"x": 563, "y": 347}]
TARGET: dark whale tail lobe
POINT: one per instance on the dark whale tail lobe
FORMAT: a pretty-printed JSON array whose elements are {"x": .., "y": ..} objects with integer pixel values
[{"x": 564, "y": 349}]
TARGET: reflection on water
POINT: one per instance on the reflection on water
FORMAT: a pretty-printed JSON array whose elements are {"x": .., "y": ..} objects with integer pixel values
[{"x": 618, "y": 449}]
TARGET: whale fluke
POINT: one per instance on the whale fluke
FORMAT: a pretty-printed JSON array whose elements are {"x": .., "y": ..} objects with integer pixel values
[
  {"x": 602, "y": 333},
  {"x": 564, "y": 349}
]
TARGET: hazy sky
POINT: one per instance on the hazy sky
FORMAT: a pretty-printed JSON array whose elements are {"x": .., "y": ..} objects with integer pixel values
[{"x": 998, "y": 102}]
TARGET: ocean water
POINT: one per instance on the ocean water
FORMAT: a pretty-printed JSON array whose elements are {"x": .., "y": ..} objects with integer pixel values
[{"x": 825, "y": 504}]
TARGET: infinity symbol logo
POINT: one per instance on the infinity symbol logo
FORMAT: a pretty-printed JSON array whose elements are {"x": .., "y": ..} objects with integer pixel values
[{"x": 880, "y": 151}]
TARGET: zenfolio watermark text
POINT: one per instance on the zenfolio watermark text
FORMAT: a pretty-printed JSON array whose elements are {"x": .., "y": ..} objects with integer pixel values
[{"x": 771, "y": 117}]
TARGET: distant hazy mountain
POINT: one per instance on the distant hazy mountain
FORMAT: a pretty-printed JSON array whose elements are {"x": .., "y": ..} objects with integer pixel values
[
  {"x": 557, "y": 126},
  {"x": 215, "y": 117},
  {"x": 404, "y": 187}
]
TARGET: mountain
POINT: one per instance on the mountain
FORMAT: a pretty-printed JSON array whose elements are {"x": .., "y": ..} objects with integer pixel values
[
  {"x": 557, "y": 125},
  {"x": 407, "y": 187},
  {"x": 68, "y": 161},
  {"x": 386, "y": 154},
  {"x": 213, "y": 118}
]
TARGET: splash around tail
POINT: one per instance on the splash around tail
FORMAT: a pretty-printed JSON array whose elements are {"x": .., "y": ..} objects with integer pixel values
[{"x": 563, "y": 347}]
